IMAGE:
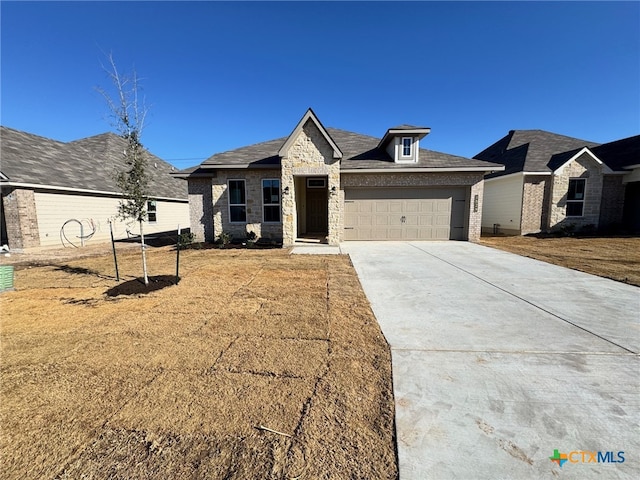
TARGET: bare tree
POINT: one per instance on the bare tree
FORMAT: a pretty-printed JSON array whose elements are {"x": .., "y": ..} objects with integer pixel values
[{"x": 128, "y": 113}]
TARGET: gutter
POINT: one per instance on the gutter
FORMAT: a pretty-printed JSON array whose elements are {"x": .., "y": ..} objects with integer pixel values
[
  {"x": 423, "y": 170},
  {"x": 38, "y": 186}
]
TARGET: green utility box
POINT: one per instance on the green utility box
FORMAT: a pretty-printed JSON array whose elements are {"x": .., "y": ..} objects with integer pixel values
[{"x": 6, "y": 277}]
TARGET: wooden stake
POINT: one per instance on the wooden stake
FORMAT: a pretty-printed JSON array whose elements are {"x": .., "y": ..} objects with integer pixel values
[
  {"x": 113, "y": 245},
  {"x": 261, "y": 427},
  {"x": 178, "y": 257}
]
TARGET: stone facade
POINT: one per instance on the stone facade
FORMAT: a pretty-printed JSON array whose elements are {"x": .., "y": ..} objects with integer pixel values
[
  {"x": 310, "y": 155},
  {"x": 474, "y": 180},
  {"x": 612, "y": 205},
  {"x": 21, "y": 220},
  {"x": 534, "y": 190},
  {"x": 582, "y": 167}
]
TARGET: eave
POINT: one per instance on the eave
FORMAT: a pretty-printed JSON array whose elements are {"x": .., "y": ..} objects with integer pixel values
[
  {"x": 419, "y": 132},
  {"x": 38, "y": 186}
]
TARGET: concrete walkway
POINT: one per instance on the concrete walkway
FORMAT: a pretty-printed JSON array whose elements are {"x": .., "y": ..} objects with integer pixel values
[{"x": 498, "y": 360}]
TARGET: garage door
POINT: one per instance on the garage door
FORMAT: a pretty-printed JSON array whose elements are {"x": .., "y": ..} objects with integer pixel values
[{"x": 405, "y": 213}]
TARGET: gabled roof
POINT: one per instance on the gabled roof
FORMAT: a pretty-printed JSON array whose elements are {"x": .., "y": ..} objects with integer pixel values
[
  {"x": 403, "y": 130},
  {"x": 359, "y": 152},
  {"x": 309, "y": 116},
  {"x": 86, "y": 164},
  {"x": 530, "y": 150}
]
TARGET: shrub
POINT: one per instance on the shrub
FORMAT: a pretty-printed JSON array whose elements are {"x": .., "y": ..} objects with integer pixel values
[
  {"x": 185, "y": 240},
  {"x": 224, "y": 239}
]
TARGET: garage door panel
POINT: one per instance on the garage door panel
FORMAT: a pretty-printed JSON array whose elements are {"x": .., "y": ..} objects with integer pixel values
[
  {"x": 442, "y": 220},
  {"x": 426, "y": 220},
  {"x": 411, "y": 220},
  {"x": 405, "y": 213},
  {"x": 441, "y": 234}
]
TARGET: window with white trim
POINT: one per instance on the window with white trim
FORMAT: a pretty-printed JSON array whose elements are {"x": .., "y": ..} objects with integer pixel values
[
  {"x": 575, "y": 197},
  {"x": 152, "y": 211},
  {"x": 237, "y": 201},
  {"x": 407, "y": 143},
  {"x": 271, "y": 200}
]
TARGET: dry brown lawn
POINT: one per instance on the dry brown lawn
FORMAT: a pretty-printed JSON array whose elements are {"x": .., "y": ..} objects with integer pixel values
[
  {"x": 172, "y": 384},
  {"x": 617, "y": 258}
]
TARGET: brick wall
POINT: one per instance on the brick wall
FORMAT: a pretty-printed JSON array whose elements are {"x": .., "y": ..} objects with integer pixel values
[
  {"x": 533, "y": 200},
  {"x": 612, "y": 205},
  {"x": 21, "y": 218},
  {"x": 201, "y": 209},
  {"x": 253, "y": 185}
]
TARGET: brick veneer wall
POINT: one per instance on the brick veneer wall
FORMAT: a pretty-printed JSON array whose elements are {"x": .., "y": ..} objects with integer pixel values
[
  {"x": 533, "y": 200},
  {"x": 21, "y": 218},
  {"x": 582, "y": 167},
  {"x": 612, "y": 205},
  {"x": 253, "y": 185},
  {"x": 310, "y": 155},
  {"x": 201, "y": 209},
  {"x": 474, "y": 180}
]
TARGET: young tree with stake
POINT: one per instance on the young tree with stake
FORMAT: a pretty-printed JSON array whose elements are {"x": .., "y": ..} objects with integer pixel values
[{"x": 128, "y": 114}]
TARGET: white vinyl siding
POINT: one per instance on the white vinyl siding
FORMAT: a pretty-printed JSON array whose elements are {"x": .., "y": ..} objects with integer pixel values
[
  {"x": 54, "y": 209},
  {"x": 502, "y": 204}
]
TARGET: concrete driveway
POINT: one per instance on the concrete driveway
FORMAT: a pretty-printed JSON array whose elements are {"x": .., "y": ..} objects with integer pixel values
[{"x": 498, "y": 360}]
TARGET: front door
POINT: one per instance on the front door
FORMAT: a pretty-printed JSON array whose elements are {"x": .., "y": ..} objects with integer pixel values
[{"x": 317, "y": 210}]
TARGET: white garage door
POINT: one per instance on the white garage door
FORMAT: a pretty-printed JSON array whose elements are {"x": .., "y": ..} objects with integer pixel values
[{"x": 405, "y": 213}]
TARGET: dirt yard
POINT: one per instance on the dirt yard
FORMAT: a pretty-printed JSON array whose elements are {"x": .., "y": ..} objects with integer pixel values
[
  {"x": 617, "y": 258},
  {"x": 173, "y": 384}
]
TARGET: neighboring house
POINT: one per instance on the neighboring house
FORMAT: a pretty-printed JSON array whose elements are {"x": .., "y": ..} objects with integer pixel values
[
  {"x": 48, "y": 184},
  {"x": 553, "y": 182},
  {"x": 332, "y": 185}
]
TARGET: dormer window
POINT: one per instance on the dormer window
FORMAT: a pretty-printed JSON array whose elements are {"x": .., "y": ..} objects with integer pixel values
[
  {"x": 407, "y": 142},
  {"x": 402, "y": 143}
]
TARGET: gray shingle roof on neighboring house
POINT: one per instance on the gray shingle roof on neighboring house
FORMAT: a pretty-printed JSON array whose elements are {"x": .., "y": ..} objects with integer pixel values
[
  {"x": 87, "y": 164},
  {"x": 619, "y": 154},
  {"x": 359, "y": 152},
  {"x": 530, "y": 150}
]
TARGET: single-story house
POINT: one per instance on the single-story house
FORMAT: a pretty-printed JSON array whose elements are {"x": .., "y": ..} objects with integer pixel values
[
  {"x": 54, "y": 192},
  {"x": 554, "y": 182},
  {"x": 332, "y": 185}
]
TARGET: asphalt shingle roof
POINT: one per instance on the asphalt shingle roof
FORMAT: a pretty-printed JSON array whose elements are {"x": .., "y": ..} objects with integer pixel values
[
  {"x": 530, "y": 150},
  {"x": 619, "y": 154},
  {"x": 359, "y": 152},
  {"x": 89, "y": 163}
]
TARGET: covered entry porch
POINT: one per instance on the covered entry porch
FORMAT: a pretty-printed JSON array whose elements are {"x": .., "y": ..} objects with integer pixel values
[{"x": 312, "y": 208}]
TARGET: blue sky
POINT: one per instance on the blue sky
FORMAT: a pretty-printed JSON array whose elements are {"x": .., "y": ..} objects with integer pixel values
[{"x": 221, "y": 75}]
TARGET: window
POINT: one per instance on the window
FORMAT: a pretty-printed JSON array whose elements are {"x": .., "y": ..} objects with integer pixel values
[
  {"x": 237, "y": 201},
  {"x": 316, "y": 183},
  {"x": 407, "y": 142},
  {"x": 271, "y": 200},
  {"x": 152, "y": 211},
  {"x": 575, "y": 197}
]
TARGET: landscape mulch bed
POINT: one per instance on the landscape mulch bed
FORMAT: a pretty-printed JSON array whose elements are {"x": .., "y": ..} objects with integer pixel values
[
  {"x": 256, "y": 364},
  {"x": 617, "y": 258}
]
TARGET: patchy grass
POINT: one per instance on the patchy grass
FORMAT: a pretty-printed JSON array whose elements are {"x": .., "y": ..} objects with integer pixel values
[
  {"x": 617, "y": 258},
  {"x": 172, "y": 383}
]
